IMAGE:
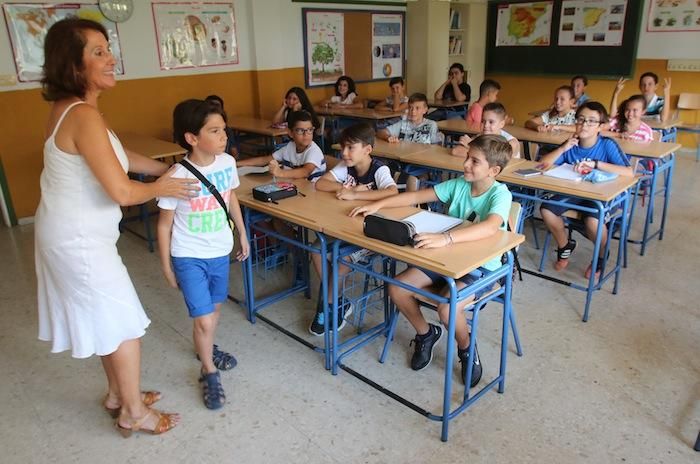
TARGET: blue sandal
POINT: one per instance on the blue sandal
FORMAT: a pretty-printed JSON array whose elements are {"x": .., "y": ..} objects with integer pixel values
[
  {"x": 222, "y": 360},
  {"x": 212, "y": 390}
]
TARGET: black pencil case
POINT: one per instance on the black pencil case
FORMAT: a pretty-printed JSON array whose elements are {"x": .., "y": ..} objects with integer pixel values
[
  {"x": 389, "y": 230},
  {"x": 274, "y": 191}
]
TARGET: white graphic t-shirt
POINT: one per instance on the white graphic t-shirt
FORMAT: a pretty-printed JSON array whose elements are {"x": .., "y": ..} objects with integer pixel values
[{"x": 201, "y": 229}]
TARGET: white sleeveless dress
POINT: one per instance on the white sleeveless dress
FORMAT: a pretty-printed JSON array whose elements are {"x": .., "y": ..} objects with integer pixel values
[{"x": 87, "y": 302}]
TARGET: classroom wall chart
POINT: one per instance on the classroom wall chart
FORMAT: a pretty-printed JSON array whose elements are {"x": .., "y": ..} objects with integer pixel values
[
  {"x": 674, "y": 15},
  {"x": 592, "y": 23},
  {"x": 28, "y": 23},
  {"x": 326, "y": 47},
  {"x": 387, "y": 53},
  {"x": 193, "y": 34},
  {"x": 524, "y": 24}
]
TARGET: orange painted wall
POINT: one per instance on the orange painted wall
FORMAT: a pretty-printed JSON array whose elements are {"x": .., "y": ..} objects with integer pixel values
[
  {"x": 144, "y": 106},
  {"x": 522, "y": 94}
]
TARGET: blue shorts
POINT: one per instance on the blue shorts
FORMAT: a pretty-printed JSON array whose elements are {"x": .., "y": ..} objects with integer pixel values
[
  {"x": 204, "y": 282},
  {"x": 468, "y": 279}
]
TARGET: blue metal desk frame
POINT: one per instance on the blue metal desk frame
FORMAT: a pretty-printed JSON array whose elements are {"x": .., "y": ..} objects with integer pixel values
[
  {"x": 601, "y": 210},
  {"x": 385, "y": 329},
  {"x": 254, "y": 305}
]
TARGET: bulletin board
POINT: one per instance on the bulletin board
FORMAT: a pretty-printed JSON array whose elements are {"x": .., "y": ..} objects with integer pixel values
[
  {"x": 365, "y": 45},
  {"x": 563, "y": 37}
]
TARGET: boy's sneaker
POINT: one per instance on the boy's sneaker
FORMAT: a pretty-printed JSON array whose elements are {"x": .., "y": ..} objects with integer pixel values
[
  {"x": 344, "y": 310},
  {"x": 316, "y": 327},
  {"x": 423, "y": 353},
  {"x": 563, "y": 255},
  {"x": 212, "y": 390},
  {"x": 463, "y": 356}
]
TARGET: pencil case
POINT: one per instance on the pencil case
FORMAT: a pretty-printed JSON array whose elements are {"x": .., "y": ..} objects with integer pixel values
[
  {"x": 597, "y": 176},
  {"x": 274, "y": 191},
  {"x": 389, "y": 230}
]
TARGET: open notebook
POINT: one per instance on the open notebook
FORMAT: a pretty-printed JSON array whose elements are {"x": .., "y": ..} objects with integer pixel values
[
  {"x": 426, "y": 221},
  {"x": 564, "y": 171}
]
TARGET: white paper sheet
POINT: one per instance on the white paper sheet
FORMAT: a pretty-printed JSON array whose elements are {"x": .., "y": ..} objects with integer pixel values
[
  {"x": 426, "y": 221},
  {"x": 565, "y": 171}
]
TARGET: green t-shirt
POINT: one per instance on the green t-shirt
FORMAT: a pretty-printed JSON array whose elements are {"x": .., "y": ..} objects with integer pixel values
[{"x": 457, "y": 194}]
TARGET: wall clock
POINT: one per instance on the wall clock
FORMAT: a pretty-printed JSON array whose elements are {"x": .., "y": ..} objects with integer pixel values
[{"x": 117, "y": 10}]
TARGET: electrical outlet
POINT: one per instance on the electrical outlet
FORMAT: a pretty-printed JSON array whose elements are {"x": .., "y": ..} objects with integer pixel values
[
  {"x": 8, "y": 79},
  {"x": 683, "y": 65}
]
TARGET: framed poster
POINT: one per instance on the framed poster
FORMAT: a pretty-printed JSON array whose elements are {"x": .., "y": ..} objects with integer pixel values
[
  {"x": 195, "y": 34},
  {"x": 387, "y": 50},
  {"x": 524, "y": 24},
  {"x": 27, "y": 24},
  {"x": 324, "y": 47},
  {"x": 673, "y": 16},
  {"x": 592, "y": 23}
]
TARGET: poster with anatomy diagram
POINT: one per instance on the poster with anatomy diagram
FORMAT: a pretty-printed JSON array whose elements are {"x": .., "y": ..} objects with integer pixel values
[
  {"x": 193, "y": 34},
  {"x": 592, "y": 23},
  {"x": 674, "y": 15}
]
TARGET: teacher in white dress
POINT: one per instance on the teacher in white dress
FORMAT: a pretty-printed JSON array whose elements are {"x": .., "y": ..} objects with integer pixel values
[{"x": 87, "y": 302}]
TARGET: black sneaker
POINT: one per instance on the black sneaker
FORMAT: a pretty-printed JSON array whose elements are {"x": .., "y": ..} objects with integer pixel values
[
  {"x": 316, "y": 327},
  {"x": 423, "y": 353},
  {"x": 463, "y": 356}
]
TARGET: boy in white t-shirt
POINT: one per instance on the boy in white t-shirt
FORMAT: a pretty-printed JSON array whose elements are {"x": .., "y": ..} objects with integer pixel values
[
  {"x": 357, "y": 177},
  {"x": 301, "y": 158},
  {"x": 416, "y": 128},
  {"x": 195, "y": 239}
]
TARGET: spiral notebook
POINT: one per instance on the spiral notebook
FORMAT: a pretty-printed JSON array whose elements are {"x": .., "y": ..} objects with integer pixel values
[{"x": 427, "y": 221}]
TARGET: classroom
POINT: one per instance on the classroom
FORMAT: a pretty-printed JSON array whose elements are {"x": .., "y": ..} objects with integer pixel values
[{"x": 601, "y": 368}]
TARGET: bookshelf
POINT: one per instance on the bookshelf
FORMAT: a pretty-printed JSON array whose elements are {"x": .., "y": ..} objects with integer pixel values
[
  {"x": 440, "y": 33},
  {"x": 455, "y": 49}
]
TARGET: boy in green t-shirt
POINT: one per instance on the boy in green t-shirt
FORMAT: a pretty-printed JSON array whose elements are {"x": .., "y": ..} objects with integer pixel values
[{"x": 477, "y": 197}]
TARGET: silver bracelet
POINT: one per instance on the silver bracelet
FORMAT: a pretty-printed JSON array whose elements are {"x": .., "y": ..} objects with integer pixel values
[{"x": 449, "y": 238}]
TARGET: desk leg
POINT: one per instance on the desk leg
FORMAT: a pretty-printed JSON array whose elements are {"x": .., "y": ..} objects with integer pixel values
[
  {"x": 449, "y": 358},
  {"x": 667, "y": 192},
  {"x": 247, "y": 266},
  {"x": 622, "y": 243},
  {"x": 507, "y": 311},
  {"x": 594, "y": 263}
]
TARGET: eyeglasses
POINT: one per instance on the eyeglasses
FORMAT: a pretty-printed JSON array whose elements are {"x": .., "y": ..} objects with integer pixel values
[
  {"x": 587, "y": 122},
  {"x": 302, "y": 131}
]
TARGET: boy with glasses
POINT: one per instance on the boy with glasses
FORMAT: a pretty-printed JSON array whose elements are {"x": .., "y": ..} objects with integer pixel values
[
  {"x": 301, "y": 158},
  {"x": 585, "y": 150}
]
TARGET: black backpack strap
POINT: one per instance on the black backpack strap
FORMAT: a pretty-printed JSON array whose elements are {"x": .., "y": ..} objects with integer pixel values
[{"x": 212, "y": 189}]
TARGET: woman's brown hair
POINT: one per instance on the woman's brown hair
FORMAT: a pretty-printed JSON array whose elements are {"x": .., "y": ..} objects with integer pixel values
[{"x": 63, "y": 58}]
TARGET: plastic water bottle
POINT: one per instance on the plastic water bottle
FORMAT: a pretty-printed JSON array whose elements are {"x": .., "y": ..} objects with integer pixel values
[{"x": 404, "y": 125}]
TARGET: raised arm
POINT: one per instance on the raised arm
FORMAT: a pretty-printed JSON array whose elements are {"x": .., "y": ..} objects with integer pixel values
[
  {"x": 278, "y": 118},
  {"x": 616, "y": 93},
  {"x": 666, "y": 110},
  {"x": 441, "y": 89}
]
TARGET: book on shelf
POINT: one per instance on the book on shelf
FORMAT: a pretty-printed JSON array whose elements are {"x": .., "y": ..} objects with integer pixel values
[{"x": 454, "y": 19}]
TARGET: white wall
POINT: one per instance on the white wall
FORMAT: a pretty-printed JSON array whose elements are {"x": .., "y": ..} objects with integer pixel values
[
  {"x": 269, "y": 34},
  {"x": 666, "y": 45}
]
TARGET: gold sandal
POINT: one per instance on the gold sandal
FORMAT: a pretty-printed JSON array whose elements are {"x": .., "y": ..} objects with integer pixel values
[
  {"x": 149, "y": 398},
  {"x": 164, "y": 424}
]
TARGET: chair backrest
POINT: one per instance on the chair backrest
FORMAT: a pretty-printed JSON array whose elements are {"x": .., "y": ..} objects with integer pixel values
[
  {"x": 514, "y": 221},
  {"x": 689, "y": 101}
]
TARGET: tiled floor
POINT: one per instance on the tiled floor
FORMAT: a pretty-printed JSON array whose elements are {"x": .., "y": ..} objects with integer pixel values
[{"x": 624, "y": 387}]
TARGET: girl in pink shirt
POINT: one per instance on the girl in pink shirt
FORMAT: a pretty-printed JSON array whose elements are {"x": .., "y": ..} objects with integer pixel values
[{"x": 626, "y": 121}]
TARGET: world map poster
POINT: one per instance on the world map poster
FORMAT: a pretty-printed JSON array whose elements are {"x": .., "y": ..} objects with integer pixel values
[
  {"x": 592, "y": 23},
  {"x": 28, "y": 23},
  {"x": 193, "y": 34},
  {"x": 524, "y": 24}
]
